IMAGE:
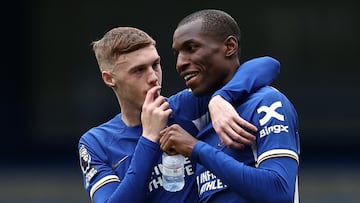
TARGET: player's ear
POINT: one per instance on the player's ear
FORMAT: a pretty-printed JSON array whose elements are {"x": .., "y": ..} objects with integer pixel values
[
  {"x": 231, "y": 45},
  {"x": 107, "y": 78}
]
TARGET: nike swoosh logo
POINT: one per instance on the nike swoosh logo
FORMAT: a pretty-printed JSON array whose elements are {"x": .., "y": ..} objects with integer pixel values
[{"x": 119, "y": 162}]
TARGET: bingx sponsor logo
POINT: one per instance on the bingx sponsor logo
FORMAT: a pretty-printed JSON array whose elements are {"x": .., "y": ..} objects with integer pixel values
[{"x": 270, "y": 112}]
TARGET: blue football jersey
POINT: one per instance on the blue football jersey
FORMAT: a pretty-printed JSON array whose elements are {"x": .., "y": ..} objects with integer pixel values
[
  {"x": 118, "y": 164},
  {"x": 227, "y": 175},
  {"x": 114, "y": 152}
]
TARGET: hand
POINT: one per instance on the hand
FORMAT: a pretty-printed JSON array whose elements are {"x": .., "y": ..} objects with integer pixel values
[
  {"x": 229, "y": 125},
  {"x": 155, "y": 114},
  {"x": 174, "y": 139}
]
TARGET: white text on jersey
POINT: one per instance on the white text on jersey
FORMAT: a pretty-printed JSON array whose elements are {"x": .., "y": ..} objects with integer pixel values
[{"x": 273, "y": 129}]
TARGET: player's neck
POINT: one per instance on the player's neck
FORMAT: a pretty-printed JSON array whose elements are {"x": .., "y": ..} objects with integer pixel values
[
  {"x": 130, "y": 113},
  {"x": 131, "y": 118}
]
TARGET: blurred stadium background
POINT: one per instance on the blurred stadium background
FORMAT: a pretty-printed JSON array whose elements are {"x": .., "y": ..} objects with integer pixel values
[{"x": 53, "y": 92}]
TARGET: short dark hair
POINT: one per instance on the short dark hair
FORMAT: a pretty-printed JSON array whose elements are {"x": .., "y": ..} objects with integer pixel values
[{"x": 214, "y": 21}]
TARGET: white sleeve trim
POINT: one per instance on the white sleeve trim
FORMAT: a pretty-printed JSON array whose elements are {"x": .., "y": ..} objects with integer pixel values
[
  {"x": 103, "y": 181},
  {"x": 277, "y": 153}
]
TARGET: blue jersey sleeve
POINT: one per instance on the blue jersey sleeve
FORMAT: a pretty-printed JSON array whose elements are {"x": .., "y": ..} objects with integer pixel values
[
  {"x": 107, "y": 186},
  {"x": 271, "y": 182},
  {"x": 266, "y": 171},
  {"x": 251, "y": 75}
]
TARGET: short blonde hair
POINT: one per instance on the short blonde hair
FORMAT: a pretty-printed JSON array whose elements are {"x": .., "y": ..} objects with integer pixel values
[{"x": 119, "y": 41}]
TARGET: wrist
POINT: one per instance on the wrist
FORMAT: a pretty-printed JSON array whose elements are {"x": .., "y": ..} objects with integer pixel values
[
  {"x": 151, "y": 137},
  {"x": 214, "y": 100}
]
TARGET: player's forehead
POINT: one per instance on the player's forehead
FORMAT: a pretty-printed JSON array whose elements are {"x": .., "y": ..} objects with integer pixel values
[
  {"x": 187, "y": 32},
  {"x": 141, "y": 57}
]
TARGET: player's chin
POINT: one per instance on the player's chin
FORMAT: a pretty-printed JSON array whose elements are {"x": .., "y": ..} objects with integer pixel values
[{"x": 198, "y": 91}]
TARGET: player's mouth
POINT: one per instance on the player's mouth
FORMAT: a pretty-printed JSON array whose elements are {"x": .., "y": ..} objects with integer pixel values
[{"x": 189, "y": 76}]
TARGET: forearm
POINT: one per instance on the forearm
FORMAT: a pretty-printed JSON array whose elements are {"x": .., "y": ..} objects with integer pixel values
[
  {"x": 135, "y": 184},
  {"x": 249, "y": 77},
  {"x": 274, "y": 180}
]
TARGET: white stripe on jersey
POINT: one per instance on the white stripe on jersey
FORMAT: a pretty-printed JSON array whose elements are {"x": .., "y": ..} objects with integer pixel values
[
  {"x": 296, "y": 196},
  {"x": 102, "y": 182},
  {"x": 202, "y": 121},
  {"x": 277, "y": 153}
]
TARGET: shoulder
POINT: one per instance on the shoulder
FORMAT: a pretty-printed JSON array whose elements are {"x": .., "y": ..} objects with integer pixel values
[
  {"x": 181, "y": 95},
  {"x": 270, "y": 101},
  {"x": 268, "y": 95},
  {"x": 269, "y": 92},
  {"x": 97, "y": 133},
  {"x": 185, "y": 99}
]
